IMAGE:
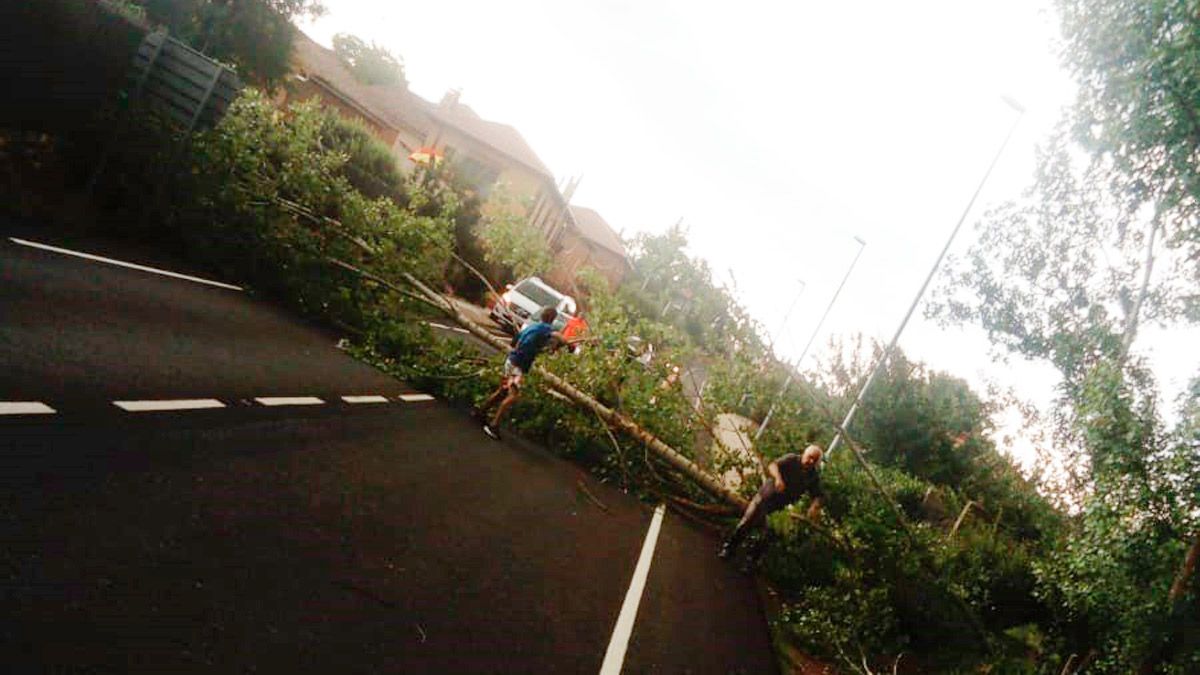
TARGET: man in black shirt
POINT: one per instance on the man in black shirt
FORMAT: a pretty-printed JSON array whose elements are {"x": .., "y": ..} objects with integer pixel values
[{"x": 791, "y": 477}]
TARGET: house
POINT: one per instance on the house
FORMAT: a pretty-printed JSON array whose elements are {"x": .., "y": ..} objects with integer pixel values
[
  {"x": 587, "y": 240},
  {"x": 396, "y": 116},
  {"x": 486, "y": 154}
]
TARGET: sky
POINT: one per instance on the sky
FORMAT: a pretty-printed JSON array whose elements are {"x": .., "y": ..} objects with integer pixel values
[{"x": 777, "y": 132}]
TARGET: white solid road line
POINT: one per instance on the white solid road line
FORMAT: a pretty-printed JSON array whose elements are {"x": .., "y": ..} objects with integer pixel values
[
  {"x": 614, "y": 658},
  {"x": 25, "y": 408},
  {"x": 120, "y": 263},
  {"x": 365, "y": 399},
  {"x": 415, "y": 397},
  {"x": 169, "y": 404},
  {"x": 289, "y": 400}
]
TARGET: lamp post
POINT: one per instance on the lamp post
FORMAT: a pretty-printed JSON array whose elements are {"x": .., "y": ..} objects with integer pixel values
[
  {"x": 887, "y": 353},
  {"x": 791, "y": 371}
]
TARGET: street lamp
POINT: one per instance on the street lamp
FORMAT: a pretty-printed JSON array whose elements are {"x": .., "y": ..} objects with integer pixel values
[
  {"x": 791, "y": 371},
  {"x": 887, "y": 353}
]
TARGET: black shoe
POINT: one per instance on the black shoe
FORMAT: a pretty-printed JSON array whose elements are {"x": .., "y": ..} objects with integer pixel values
[
  {"x": 487, "y": 429},
  {"x": 725, "y": 552}
]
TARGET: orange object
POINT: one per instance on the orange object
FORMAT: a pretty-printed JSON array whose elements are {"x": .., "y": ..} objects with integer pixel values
[
  {"x": 576, "y": 326},
  {"x": 426, "y": 155}
]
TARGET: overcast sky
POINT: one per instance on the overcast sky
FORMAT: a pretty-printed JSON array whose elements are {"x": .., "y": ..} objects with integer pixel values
[{"x": 776, "y": 131}]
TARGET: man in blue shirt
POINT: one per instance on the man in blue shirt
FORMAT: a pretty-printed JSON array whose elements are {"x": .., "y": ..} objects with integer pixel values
[{"x": 528, "y": 344}]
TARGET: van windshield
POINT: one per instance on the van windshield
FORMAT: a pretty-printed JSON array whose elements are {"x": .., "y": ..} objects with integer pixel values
[{"x": 543, "y": 296}]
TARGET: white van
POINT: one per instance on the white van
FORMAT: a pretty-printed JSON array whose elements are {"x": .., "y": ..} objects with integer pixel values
[{"x": 523, "y": 300}]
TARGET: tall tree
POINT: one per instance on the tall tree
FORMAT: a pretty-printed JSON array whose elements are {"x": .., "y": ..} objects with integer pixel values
[
  {"x": 1106, "y": 241},
  {"x": 369, "y": 63},
  {"x": 254, "y": 35}
]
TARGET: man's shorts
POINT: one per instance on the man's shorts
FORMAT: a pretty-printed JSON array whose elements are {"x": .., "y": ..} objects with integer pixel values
[{"x": 512, "y": 375}]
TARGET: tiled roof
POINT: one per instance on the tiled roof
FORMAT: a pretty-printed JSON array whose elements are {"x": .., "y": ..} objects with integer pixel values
[
  {"x": 399, "y": 107},
  {"x": 394, "y": 106},
  {"x": 594, "y": 228},
  {"x": 502, "y": 137}
]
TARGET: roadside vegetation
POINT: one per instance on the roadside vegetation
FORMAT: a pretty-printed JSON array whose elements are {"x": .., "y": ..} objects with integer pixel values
[{"x": 961, "y": 563}]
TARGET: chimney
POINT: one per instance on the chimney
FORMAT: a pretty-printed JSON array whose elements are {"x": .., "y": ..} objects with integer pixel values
[{"x": 450, "y": 99}]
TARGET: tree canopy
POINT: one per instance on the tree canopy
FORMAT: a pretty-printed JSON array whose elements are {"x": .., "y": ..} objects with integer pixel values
[
  {"x": 369, "y": 63},
  {"x": 254, "y": 35},
  {"x": 1105, "y": 241},
  {"x": 1137, "y": 65}
]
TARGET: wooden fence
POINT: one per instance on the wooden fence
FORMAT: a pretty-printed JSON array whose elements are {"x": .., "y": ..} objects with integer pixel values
[{"x": 187, "y": 86}]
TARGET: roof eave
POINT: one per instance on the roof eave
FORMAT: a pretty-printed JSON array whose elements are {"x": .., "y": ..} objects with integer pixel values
[{"x": 540, "y": 171}]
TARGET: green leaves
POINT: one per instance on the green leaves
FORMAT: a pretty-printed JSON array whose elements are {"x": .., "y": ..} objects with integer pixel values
[
  {"x": 254, "y": 35},
  {"x": 509, "y": 240},
  {"x": 1067, "y": 275},
  {"x": 369, "y": 63},
  {"x": 1137, "y": 106}
]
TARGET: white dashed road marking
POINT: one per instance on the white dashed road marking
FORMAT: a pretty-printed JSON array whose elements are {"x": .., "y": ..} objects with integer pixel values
[
  {"x": 365, "y": 399},
  {"x": 121, "y": 263},
  {"x": 163, "y": 404},
  {"x": 289, "y": 400},
  {"x": 614, "y": 658},
  {"x": 25, "y": 408},
  {"x": 169, "y": 404}
]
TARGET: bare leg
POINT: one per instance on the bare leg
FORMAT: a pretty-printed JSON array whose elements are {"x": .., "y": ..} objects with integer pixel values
[
  {"x": 507, "y": 403},
  {"x": 493, "y": 399}
]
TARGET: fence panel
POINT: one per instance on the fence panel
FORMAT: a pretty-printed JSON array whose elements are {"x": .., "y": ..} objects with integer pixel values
[{"x": 190, "y": 88}]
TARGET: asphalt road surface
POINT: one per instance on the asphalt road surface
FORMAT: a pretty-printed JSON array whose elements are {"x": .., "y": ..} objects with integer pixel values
[{"x": 192, "y": 480}]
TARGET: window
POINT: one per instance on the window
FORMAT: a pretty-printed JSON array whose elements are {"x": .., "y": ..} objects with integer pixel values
[{"x": 543, "y": 296}]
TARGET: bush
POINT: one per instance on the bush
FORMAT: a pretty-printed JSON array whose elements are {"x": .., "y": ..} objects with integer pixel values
[{"x": 265, "y": 198}]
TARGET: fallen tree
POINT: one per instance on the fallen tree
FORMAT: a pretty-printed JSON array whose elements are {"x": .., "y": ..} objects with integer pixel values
[{"x": 612, "y": 418}]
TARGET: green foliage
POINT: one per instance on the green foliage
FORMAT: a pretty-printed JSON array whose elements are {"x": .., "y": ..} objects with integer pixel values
[
  {"x": 667, "y": 284},
  {"x": 1067, "y": 277},
  {"x": 926, "y": 435},
  {"x": 369, "y": 63},
  {"x": 254, "y": 35},
  {"x": 129, "y": 9},
  {"x": 370, "y": 165},
  {"x": 1137, "y": 65},
  {"x": 262, "y": 198},
  {"x": 879, "y": 591},
  {"x": 850, "y": 620},
  {"x": 509, "y": 241}
]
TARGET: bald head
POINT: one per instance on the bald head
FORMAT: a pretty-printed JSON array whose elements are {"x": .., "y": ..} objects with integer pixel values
[{"x": 812, "y": 455}]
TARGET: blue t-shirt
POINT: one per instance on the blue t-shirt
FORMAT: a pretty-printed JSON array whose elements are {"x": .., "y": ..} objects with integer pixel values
[{"x": 530, "y": 342}]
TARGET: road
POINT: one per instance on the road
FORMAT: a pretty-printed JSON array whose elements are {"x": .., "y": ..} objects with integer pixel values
[{"x": 272, "y": 525}]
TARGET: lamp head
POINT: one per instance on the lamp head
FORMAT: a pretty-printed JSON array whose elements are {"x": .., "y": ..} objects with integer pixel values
[{"x": 1013, "y": 103}]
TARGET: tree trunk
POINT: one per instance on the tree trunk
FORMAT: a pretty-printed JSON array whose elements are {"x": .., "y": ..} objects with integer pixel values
[
  {"x": 1186, "y": 573},
  {"x": 1131, "y": 320}
]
